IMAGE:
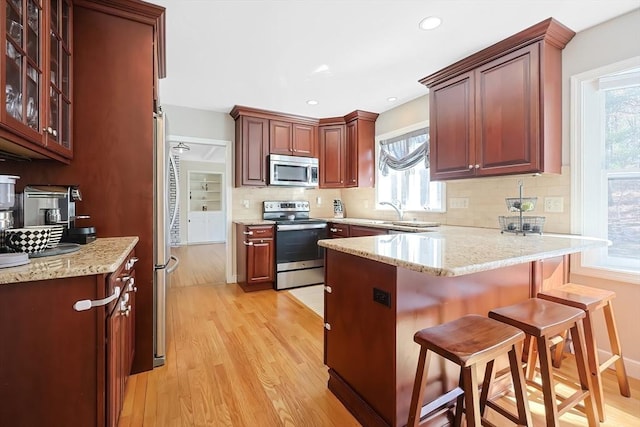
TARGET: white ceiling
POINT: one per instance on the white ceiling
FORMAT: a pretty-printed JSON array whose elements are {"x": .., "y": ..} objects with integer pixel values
[{"x": 267, "y": 54}]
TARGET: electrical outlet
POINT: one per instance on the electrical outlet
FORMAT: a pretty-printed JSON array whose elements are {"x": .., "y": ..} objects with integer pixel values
[
  {"x": 554, "y": 204},
  {"x": 458, "y": 202},
  {"x": 319, "y": 200},
  {"x": 245, "y": 203}
]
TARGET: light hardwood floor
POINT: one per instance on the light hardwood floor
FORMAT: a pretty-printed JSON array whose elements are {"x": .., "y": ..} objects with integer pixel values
[{"x": 255, "y": 359}]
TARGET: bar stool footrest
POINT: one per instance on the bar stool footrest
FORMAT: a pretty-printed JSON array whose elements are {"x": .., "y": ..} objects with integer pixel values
[
  {"x": 441, "y": 402},
  {"x": 570, "y": 402},
  {"x": 502, "y": 411},
  {"x": 610, "y": 361}
]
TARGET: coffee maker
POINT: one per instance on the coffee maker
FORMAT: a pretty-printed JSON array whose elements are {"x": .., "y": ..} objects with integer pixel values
[
  {"x": 54, "y": 205},
  {"x": 7, "y": 202}
]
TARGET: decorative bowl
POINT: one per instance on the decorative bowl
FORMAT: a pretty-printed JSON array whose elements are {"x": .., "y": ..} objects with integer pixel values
[
  {"x": 28, "y": 240},
  {"x": 55, "y": 234}
]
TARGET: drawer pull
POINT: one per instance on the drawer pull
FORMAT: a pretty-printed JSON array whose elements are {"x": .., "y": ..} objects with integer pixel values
[
  {"x": 248, "y": 243},
  {"x": 333, "y": 230},
  {"x": 248, "y": 233},
  {"x": 327, "y": 326},
  {"x": 328, "y": 289},
  {"x": 86, "y": 304}
]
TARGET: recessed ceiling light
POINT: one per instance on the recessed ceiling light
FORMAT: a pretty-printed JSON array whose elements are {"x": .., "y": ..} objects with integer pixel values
[
  {"x": 430, "y": 22},
  {"x": 312, "y": 102},
  {"x": 392, "y": 99},
  {"x": 322, "y": 68}
]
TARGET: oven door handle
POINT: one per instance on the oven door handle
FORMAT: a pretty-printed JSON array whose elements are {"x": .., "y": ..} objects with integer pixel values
[{"x": 289, "y": 227}]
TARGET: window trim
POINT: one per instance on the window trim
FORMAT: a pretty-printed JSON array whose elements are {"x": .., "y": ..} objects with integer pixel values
[
  {"x": 392, "y": 134},
  {"x": 577, "y": 169}
]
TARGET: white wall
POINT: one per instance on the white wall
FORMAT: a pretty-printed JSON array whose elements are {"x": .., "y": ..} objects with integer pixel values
[{"x": 185, "y": 121}]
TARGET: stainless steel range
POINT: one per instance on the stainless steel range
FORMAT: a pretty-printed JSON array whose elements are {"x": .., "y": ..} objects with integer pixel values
[{"x": 299, "y": 259}]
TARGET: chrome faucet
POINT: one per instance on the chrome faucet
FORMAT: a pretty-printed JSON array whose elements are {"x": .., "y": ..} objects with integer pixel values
[{"x": 397, "y": 208}]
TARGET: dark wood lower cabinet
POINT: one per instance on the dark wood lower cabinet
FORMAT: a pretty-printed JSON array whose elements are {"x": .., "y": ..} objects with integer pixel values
[
  {"x": 59, "y": 366},
  {"x": 255, "y": 257}
]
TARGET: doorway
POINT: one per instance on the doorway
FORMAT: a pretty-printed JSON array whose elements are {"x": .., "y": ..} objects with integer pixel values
[{"x": 204, "y": 190}]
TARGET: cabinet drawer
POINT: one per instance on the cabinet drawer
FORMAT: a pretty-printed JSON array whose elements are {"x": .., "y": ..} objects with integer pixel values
[
  {"x": 338, "y": 230},
  {"x": 258, "y": 232}
]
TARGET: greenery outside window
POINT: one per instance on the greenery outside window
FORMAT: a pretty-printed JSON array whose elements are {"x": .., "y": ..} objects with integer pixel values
[
  {"x": 606, "y": 172},
  {"x": 402, "y": 174}
]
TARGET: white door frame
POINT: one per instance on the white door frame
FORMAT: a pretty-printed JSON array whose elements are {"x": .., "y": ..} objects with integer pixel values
[{"x": 228, "y": 180}]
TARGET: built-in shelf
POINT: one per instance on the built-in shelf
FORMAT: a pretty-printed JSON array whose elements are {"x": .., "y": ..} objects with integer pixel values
[
  {"x": 205, "y": 191},
  {"x": 206, "y": 208}
]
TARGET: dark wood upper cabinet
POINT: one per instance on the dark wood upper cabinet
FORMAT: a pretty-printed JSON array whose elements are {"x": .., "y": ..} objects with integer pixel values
[
  {"x": 37, "y": 78},
  {"x": 252, "y": 148},
  {"x": 360, "y": 149},
  {"x": 305, "y": 140},
  {"x": 345, "y": 145},
  {"x": 332, "y": 156},
  {"x": 499, "y": 112}
]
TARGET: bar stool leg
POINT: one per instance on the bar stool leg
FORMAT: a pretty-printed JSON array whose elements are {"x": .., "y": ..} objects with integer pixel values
[
  {"x": 488, "y": 377},
  {"x": 519, "y": 386},
  {"x": 557, "y": 354},
  {"x": 471, "y": 398},
  {"x": 457, "y": 419},
  {"x": 531, "y": 358},
  {"x": 585, "y": 381},
  {"x": 594, "y": 365},
  {"x": 418, "y": 387},
  {"x": 548, "y": 385},
  {"x": 616, "y": 350}
]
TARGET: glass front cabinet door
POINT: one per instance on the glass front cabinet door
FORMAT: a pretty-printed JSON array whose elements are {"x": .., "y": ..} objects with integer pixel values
[{"x": 36, "y": 72}]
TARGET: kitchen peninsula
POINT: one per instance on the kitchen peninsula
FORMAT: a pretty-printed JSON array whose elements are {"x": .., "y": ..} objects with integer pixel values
[
  {"x": 381, "y": 289},
  {"x": 67, "y": 334}
]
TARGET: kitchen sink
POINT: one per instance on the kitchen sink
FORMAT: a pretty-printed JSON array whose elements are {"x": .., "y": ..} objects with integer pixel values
[{"x": 411, "y": 223}]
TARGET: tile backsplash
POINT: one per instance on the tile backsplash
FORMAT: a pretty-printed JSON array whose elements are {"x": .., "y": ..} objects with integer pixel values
[{"x": 485, "y": 197}]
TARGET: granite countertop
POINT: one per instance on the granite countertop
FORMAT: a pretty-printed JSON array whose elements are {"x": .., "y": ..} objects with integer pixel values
[
  {"x": 104, "y": 255},
  {"x": 455, "y": 251}
]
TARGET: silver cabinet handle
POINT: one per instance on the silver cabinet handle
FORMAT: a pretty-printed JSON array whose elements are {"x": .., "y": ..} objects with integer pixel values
[
  {"x": 86, "y": 304},
  {"x": 54, "y": 132},
  {"x": 123, "y": 279},
  {"x": 132, "y": 282},
  {"x": 477, "y": 166},
  {"x": 327, "y": 326},
  {"x": 470, "y": 166},
  {"x": 333, "y": 230},
  {"x": 125, "y": 307},
  {"x": 248, "y": 243},
  {"x": 132, "y": 261},
  {"x": 248, "y": 233},
  {"x": 328, "y": 289}
]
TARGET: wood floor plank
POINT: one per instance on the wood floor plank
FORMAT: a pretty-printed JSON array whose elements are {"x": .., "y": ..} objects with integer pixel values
[{"x": 256, "y": 359}]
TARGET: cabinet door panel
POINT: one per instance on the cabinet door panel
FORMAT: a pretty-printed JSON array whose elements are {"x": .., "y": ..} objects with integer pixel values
[
  {"x": 507, "y": 94},
  {"x": 304, "y": 140},
  {"x": 332, "y": 156},
  {"x": 254, "y": 149},
  {"x": 351, "y": 159},
  {"x": 452, "y": 128},
  {"x": 280, "y": 141},
  {"x": 260, "y": 256},
  {"x": 358, "y": 231}
]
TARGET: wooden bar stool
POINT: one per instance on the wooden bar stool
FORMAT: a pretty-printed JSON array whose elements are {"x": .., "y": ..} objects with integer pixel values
[
  {"x": 469, "y": 341},
  {"x": 590, "y": 300},
  {"x": 543, "y": 320}
]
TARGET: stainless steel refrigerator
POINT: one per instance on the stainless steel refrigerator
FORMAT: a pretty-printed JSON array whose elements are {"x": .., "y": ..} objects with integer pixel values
[{"x": 164, "y": 217}]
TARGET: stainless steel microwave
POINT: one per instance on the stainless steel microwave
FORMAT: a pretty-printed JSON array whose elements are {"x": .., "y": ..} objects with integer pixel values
[{"x": 292, "y": 171}]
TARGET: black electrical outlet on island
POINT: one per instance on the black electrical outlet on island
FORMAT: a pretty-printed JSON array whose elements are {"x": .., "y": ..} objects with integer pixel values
[{"x": 382, "y": 297}]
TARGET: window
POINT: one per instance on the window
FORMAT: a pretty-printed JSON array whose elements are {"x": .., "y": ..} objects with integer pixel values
[
  {"x": 403, "y": 170},
  {"x": 606, "y": 172}
]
